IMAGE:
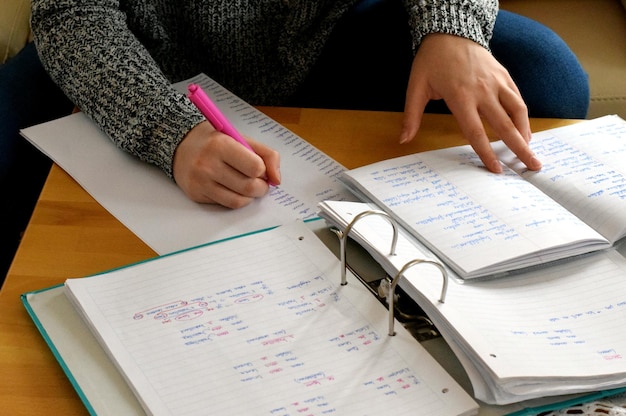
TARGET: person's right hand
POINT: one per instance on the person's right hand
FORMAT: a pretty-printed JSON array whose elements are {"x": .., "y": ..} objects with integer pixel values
[{"x": 211, "y": 167}]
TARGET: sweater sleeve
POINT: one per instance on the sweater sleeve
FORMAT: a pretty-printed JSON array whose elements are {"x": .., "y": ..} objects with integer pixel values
[
  {"x": 88, "y": 50},
  {"x": 472, "y": 19}
]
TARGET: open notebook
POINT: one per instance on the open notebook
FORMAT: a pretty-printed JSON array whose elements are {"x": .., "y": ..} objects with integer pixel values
[
  {"x": 482, "y": 224},
  {"x": 552, "y": 331},
  {"x": 259, "y": 325}
]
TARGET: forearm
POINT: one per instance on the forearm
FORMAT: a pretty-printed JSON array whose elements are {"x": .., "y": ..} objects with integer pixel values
[
  {"x": 472, "y": 19},
  {"x": 88, "y": 50}
]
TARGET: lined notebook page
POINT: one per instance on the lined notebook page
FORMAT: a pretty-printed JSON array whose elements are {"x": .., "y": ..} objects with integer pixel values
[
  {"x": 584, "y": 170},
  {"x": 260, "y": 325},
  {"x": 469, "y": 217},
  {"x": 549, "y": 332}
]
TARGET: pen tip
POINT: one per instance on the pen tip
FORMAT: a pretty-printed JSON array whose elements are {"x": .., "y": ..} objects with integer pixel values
[{"x": 192, "y": 87}]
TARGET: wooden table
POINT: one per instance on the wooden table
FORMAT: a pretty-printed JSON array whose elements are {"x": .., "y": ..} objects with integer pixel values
[{"x": 71, "y": 235}]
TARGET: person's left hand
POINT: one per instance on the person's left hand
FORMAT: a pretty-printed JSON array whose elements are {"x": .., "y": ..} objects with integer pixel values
[{"x": 474, "y": 86}]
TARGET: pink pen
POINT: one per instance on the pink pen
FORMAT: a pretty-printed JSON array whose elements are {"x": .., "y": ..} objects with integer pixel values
[{"x": 214, "y": 115}]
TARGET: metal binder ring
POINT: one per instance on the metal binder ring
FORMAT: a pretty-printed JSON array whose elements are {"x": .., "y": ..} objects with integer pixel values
[
  {"x": 343, "y": 236},
  {"x": 394, "y": 283}
]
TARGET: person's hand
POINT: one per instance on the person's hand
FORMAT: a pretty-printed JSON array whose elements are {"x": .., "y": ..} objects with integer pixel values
[
  {"x": 211, "y": 167},
  {"x": 474, "y": 86}
]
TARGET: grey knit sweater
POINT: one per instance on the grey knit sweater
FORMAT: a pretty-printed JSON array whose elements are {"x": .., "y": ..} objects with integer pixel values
[{"x": 117, "y": 59}]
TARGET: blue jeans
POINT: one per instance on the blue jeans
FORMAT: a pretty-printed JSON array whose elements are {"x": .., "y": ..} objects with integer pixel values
[
  {"x": 366, "y": 64},
  {"x": 548, "y": 74},
  {"x": 27, "y": 97}
]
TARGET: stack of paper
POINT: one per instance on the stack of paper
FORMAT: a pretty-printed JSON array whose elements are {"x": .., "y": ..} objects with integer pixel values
[{"x": 553, "y": 331}]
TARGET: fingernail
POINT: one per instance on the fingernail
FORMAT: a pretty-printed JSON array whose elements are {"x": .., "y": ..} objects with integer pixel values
[
  {"x": 535, "y": 163},
  {"x": 496, "y": 167}
]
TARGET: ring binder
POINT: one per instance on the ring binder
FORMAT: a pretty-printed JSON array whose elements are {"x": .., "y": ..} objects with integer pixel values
[
  {"x": 237, "y": 335},
  {"x": 343, "y": 236}
]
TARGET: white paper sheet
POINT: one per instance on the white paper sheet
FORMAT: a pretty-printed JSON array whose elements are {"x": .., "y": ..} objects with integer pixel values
[{"x": 144, "y": 199}]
